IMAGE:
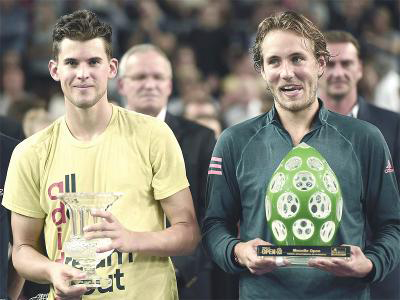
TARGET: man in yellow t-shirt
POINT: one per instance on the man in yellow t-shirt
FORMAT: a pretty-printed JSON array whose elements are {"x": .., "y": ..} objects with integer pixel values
[{"x": 97, "y": 147}]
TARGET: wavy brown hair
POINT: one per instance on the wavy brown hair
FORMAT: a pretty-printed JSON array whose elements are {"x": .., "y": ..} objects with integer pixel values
[
  {"x": 81, "y": 25},
  {"x": 288, "y": 21}
]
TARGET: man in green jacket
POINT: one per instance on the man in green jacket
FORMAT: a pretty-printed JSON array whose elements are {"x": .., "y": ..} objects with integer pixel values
[{"x": 290, "y": 52}]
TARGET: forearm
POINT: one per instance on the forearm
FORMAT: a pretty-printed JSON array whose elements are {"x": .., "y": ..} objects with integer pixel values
[
  {"x": 384, "y": 251},
  {"x": 179, "y": 239},
  {"x": 219, "y": 241},
  {"x": 31, "y": 264}
]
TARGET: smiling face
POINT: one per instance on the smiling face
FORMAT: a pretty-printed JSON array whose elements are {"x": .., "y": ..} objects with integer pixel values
[
  {"x": 146, "y": 84},
  {"x": 343, "y": 71},
  {"x": 83, "y": 70},
  {"x": 291, "y": 70}
]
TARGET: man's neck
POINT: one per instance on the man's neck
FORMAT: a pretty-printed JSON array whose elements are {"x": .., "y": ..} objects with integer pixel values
[
  {"x": 86, "y": 124},
  {"x": 342, "y": 105},
  {"x": 298, "y": 124}
]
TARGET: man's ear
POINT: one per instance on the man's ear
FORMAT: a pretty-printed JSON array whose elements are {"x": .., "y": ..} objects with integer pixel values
[
  {"x": 53, "y": 69},
  {"x": 113, "y": 68}
]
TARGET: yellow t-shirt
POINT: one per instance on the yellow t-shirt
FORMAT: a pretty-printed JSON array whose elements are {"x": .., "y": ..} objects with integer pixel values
[{"x": 137, "y": 155}]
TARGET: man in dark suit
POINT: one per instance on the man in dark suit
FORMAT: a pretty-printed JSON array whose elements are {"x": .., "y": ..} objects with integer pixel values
[
  {"x": 145, "y": 83},
  {"x": 10, "y": 282},
  {"x": 338, "y": 90}
]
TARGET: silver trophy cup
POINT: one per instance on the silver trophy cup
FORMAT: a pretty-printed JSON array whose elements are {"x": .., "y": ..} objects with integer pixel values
[{"x": 77, "y": 247}]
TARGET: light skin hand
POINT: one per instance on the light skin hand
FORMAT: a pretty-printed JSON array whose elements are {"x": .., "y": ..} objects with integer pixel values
[
  {"x": 357, "y": 266},
  {"x": 180, "y": 238},
  {"x": 61, "y": 275},
  {"x": 110, "y": 227},
  {"x": 247, "y": 256},
  {"x": 26, "y": 248}
]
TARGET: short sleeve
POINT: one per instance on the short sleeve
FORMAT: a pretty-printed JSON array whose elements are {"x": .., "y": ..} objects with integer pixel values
[
  {"x": 169, "y": 174},
  {"x": 21, "y": 190}
]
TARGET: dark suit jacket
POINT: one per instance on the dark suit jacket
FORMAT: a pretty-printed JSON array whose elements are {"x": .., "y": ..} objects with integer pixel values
[
  {"x": 7, "y": 145},
  {"x": 197, "y": 143},
  {"x": 11, "y": 128},
  {"x": 389, "y": 124}
]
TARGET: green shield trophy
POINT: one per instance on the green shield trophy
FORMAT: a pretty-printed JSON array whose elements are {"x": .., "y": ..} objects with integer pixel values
[{"x": 303, "y": 206}]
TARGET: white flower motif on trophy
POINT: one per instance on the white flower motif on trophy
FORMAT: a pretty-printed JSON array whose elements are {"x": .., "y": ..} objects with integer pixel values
[
  {"x": 319, "y": 205},
  {"x": 279, "y": 230},
  {"x": 315, "y": 164},
  {"x": 303, "y": 229},
  {"x": 277, "y": 182},
  {"x": 293, "y": 163},
  {"x": 327, "y": 231},
  {"x": 304, "y": 181},
  {"x": 288, "y": 205}
]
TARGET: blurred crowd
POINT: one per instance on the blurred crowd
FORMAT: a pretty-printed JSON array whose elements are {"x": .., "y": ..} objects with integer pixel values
[{"x": 208, "y": 43}]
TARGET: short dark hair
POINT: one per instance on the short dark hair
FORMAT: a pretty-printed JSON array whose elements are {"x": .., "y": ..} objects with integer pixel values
[
  {"x": 340, "y": 36},
  {"x": 288, "y": 21},
  {"x": 81, "y": 25}
]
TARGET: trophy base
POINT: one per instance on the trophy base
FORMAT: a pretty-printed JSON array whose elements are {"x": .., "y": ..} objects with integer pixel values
[
  {"x": 302, "y": 261},
  {"x": 298, "y": 256},
  {"x": 93, "y": 282}
]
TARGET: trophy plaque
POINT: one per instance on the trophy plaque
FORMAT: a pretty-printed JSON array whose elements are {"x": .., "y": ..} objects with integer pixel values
[
  {"x": 83, "y": 251},
  {"x": 303, "y": 206}
]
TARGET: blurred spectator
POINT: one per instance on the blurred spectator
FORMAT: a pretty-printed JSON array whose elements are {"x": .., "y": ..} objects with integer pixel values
[
  {"x": 34, "y": 120},
  {"x": 14, "y": 25},
  {"x": 11, "y": 59},
  {"x": 211, "y": 122},
  {"x": 209, "y": 40},
  {"x": 150, "y": 27},
  {"x": 369, "y": 81},
  {"x": 381, "y": 39},
  {"x": 316, "y": 10},
  {"x": 190, "y": 91},
  {"x": 13, "y": 88},
  {"x": 186, "y": 65},
  {"x": 19, "y": 109},
  {"x": 186, "y": 74},
  {"x": 44, "y": 16},
  {"x": 241, "y": 99},
  {"x": 200, "y": 107},
  {"x": 349, "y": 15},
  {"x": 387, "y": 90}
]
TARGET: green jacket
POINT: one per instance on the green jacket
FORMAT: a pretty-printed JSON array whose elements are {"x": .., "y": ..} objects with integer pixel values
[{"x": 244, "y": 159}]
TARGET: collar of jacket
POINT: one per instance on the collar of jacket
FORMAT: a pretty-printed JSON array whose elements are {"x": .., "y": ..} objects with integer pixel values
[{"x": 319, "y": 119}]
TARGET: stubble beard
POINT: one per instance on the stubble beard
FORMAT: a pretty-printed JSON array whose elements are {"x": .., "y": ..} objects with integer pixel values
[
  {"x": 294, "y": 107},
  {"x": 88, "y": 104}
]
